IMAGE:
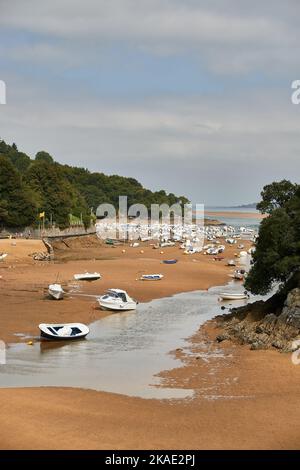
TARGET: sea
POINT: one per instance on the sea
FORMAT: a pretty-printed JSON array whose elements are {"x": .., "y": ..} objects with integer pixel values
[{"x": 237, "y": 221}]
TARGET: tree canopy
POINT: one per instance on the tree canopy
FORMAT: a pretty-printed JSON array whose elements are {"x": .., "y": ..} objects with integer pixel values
[
  {"x": 61, "y": 190},
  {"x": 17, "y": 206},
  {"x": 275, "y": 195},
  {"x": 44, "y": 156},
  {"x": 277, "y": 254}
]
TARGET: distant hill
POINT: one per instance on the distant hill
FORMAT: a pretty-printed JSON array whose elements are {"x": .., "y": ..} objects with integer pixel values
[
  {"x": 252, "y": 205},
  {"x": 66, "y": 194}
]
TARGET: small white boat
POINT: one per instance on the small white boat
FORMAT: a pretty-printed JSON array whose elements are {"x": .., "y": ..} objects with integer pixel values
[
  {"x": 239, "y": 274},
  {"x": 192, "y": 251},
  {"x": 212, "y": 251},
  {"x": 3, "y": 256},
  {"x": 151, "y": 277},
  {"x": 87, "y": 276},
  {"x": 63, "y": 331},
  {"x": 243, "y": 253},
  {"x": 232, "y": 296},
  {"x": 116, "y": 299},
  {"x": 231, "y": 241},
  {"x": 56, "y": 291},
  {"x": 231, "y": 262}
]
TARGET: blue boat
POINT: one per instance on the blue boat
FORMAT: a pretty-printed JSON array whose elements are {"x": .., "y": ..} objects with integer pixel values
[
  {"x": 170, "y": 261},
  {"x": 151, "y": 277}
]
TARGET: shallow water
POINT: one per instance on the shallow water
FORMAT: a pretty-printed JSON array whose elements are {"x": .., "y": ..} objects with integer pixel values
[
  {"x": 123, "y": 351},
  {"x": 237, "y": 221}
]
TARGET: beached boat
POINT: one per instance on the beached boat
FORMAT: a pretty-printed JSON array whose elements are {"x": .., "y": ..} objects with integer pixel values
[
  {"x": 239, "y": 274},
  {"x": 231, "y": 262},
  {"x": 243, "y": 253},
  {"x": 151, "y": 277},
  {"x": 87, "y": 276},
  {"x": 3, "y": 256},
  {"x": 56, "y": 291},
  {"x": 170, "y": 261},
  {"x": 232, "y": 296},
  {"x": 116, "y": 299},
  {"x": 231, "y": 241},
  {"x": 63, "y": 331},
  {"x": 192, "y": 250}
]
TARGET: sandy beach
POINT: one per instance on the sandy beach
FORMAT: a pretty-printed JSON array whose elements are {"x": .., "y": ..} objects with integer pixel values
[
  {"x": 236, "y": 390},
  {"x": 24, "y": 281}
]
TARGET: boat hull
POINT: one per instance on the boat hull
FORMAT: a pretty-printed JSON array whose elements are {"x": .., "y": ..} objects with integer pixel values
[
  {"x": 86, "y": 278},
  {"x": 152, "y": 278},
  {"x": 61, "y": 338},
  {"x": 233, "y": 297},
  {"x": 56, "y": 295},
  {"x": 116, "y": 307},
  {"x": 50, "y": 332}
]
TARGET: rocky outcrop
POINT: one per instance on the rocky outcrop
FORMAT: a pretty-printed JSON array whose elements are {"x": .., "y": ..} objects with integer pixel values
[
  {"x": 42, "y": 255},
  {"x": 291, "y": 310},
  {"x": 260, "y": 327}
]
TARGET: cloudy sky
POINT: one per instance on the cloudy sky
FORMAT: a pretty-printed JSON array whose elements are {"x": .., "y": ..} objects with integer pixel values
[{"x": 193, "y": 96}]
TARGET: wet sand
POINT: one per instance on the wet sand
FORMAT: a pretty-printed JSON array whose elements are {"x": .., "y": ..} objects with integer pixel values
[
  {"x": 243, "y": 399},
  {"x": 24, "y": 281}
]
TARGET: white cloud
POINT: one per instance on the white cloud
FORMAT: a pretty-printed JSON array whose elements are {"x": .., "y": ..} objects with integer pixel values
[
  {"x": 142, "y": 19},
  {"x": 222, "y": 146},
  {"x": 229, "y": 37},
  {"x": 210, "y": 150}
]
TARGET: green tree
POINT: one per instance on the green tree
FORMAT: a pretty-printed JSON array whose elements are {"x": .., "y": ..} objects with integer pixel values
[
  {"x": 61, "y": 190},
  {"x": 3, "y": 212},
  {"x": 54, "y": 194},
  {"x": 275, "y": 195},
  {"x": 17, "y": 208},
  {"x": 20, "y": 160},
  {"x": 44, "y": 157},
  {"x": 277, "y": 255},
  {"x": 52, "y": 197}
]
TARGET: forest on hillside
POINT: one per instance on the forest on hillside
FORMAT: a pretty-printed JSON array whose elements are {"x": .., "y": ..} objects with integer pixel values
[{"x": 30, "y": 187}]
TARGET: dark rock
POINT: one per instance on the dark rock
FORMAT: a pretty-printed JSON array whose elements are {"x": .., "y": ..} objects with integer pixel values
[
  {"x": 265, "y": 324},
  {"x": 291, "y": 309},
  {"x": 257, "y": 345},
  {"x": 259, "y": 329},
  {"x": 278, "y": 344},
  {"x": 222, "y": 337}
]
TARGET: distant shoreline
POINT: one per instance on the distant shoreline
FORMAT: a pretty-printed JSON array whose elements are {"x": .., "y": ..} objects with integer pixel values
[{"x": 235, "y": 214}]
